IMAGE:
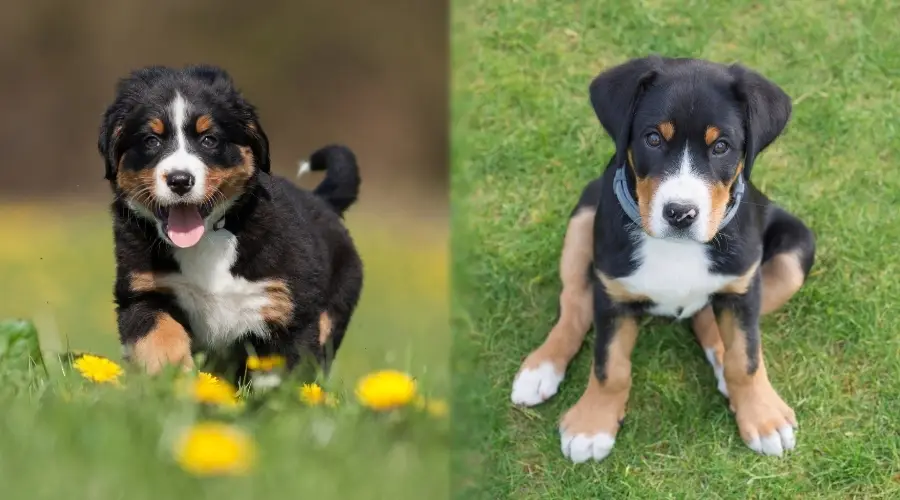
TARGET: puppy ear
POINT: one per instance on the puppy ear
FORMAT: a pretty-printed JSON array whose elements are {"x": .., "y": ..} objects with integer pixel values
[
  {"x": 110, "y": 131},
  {"x": 259, "y": 145},
  {"x": 615, "y": 93},
  {"x": 767, "y": 111}
]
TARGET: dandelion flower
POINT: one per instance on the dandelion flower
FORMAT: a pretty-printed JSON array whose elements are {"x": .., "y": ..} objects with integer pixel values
[
  {"x": 434, "y": 407},
  {"x": 209, "y": 389},
  {"x": 265, "y": 363},
  {"x": 98, "y": 369},
  {"x": 312, "y": 394},
  {"x": 386, "y": 390},
  {"x": 215, "y": 449}
]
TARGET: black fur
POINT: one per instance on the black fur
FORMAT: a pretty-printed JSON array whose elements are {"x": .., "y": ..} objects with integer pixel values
[
  {"x": 282, "y": 232},
  {"x": 634, "y": 97}
]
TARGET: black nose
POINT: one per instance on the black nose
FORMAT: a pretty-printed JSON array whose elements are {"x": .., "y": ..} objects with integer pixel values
[
  {"x": 180, "y": 182},
  {"x": 680, "y": 215}
]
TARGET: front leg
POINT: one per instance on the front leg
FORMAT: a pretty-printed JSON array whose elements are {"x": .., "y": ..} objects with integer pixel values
[
  {"x": 588, "y": 430},
  {"x": 152, "y": 334},
  {"x": 765, "y": 422}
]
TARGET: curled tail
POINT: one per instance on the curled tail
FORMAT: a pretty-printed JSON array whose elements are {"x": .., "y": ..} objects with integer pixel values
[{"x": 340, "y": 188}]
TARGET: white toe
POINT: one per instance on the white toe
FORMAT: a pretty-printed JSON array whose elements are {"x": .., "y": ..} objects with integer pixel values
[
  {"x": 771, "y": 445},
  {"x": 581, "y": 448},
  {"x": 788, "y": 440},
  {"x": 534, "y": 386}
]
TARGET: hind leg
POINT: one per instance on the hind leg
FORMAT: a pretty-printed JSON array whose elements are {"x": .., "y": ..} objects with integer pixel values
[
  {"x": 788, "y": 256},
  {"x": 542, "y": 371}
]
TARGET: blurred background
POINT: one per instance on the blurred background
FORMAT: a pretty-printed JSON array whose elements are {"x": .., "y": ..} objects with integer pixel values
[{"x": 372, "y": 75}]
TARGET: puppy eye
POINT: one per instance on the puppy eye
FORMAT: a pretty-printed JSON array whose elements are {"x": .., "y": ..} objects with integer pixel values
[
  {"x": 720, "y": 148},
  {"x": 653, "y": 140},
  {"x": 208, "y": 141},
  {"x": 152, "y": 142}
]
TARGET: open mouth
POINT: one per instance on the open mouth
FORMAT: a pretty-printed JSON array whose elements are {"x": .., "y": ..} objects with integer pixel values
[{"x": 183, "y": 223}]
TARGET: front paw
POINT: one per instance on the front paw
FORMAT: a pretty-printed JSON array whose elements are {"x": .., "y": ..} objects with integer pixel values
[
  {"x": 533, "y": 386},
  {"x": 166, "y": 344},
  {"x": 766, "y": 422},
  {"x": 588, "y": 430}
]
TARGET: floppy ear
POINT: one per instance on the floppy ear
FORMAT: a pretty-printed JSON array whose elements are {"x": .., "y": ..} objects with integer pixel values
[
  {"x": 767, "y": 109},
  {"x": 614, "y": 95},
  {"x": 110, "y": 131},
  {"x": 259, "y": 145}
]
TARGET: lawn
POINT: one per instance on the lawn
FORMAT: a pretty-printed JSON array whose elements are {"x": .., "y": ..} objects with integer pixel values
[
  {"x": 62, "y": 436},
  {"x": 525, "y": 141}
]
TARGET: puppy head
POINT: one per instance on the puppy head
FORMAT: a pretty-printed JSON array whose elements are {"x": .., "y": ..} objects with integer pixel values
[
  {"x": 687, "y": 129},
  {"x": 180, "y": 146}
]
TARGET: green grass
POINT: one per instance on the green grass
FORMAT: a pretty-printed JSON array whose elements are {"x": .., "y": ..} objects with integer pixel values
[
  {"x": 62, "y": 437},
  {"x": 525, "y": 141}
]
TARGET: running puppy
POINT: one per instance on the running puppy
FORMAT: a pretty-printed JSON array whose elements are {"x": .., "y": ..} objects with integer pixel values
[
  {"x": 213, "y": 253},
  {"x": 674, "y": 227}
]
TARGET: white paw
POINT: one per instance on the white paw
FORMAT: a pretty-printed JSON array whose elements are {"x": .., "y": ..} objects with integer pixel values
[
  {"x": 264, "y": 381},
  {"x": 776, "y": 443},
  {"x": 534, "y": 386},
  {"x": 580, "y": 447},
  {"x": 718, "y": 370}
]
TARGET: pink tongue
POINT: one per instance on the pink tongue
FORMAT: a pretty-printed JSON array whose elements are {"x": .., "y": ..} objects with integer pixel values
[{"x": 185, "y": 226}]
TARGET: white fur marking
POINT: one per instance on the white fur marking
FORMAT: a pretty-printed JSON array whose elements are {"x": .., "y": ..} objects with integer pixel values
[
  {"x": 221, "y": 307},
  {"x": 180, "y": 159},
  {"x": 774, "y": 444},
  {"x": 674, "y": 274},
  {"x": 581, "y": 447},
  {"x": 684, "y": 187},
  {"x": 305, "y": 168},
  {"x": 534, "y": 386},
  {"x": 265, "y": 381},
  {"x": 718, "y": 370}
]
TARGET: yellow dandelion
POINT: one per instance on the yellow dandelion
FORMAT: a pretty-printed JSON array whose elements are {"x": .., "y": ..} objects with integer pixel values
[
  {"x": 265, "y": 363},
  {"x": 312, "y": 394},
  {"x": 386, "y": 390},
  {"x": 215, "y": 449},
  {"x": 209, "y": 389},
  {"x": 98, "y": 369}
]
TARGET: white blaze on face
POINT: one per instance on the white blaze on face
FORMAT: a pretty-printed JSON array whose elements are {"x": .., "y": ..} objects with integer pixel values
[
  {"x": 184, "y": 225},
  {"x": 180, "y": 160},
  {"x": 685, "y": 187}
]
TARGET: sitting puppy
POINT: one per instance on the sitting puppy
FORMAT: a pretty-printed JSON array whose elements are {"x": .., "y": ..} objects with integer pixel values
[
  {"x": 213, "y": 253},
  {"x": 674, "y": 227}
]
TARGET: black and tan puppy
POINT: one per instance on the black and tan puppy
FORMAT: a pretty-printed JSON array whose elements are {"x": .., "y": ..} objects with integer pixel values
[
  {"x": 213, "y": 253},
  {"x": 674, "y": 227}
]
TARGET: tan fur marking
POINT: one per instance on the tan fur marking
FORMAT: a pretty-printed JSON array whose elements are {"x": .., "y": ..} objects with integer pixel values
[
  {"x": 759, "y": 410},
  {"x": 741, "y": 284},
  {"x": 617, "y": 291},
  {"x": 602, "y": 405},
  {"x": 630, "y": 158},
  {"x": 137, "y": 185},
  {"x": 281, "y": 304},
  {"x": 667, "y": 129},
  {"x": 719, "y": 195},
  {"x": 167, "y": 343},
  {"x": 782, "y": 277},
  {"x": 223, "y": 183},
  {"x": 157, "y": 126},
  {"x": 707, "y": 332},
  {"x": 712, "y": 133},
  {"x": 576, "y": 299},
  {"x": 203, "y": 124},
  {"x": 646, "y": 189},
  {"x": 148, "y": 282},
  {"x": 324, "y": 328}
]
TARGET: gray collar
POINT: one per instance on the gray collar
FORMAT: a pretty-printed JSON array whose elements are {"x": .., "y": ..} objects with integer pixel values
[{"x": 620, "y": 187}]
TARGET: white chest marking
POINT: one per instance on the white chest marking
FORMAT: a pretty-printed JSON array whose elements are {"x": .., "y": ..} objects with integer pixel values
[
  {"x": 674, "y": 275},
  {"x": 221, "y": 307}
]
